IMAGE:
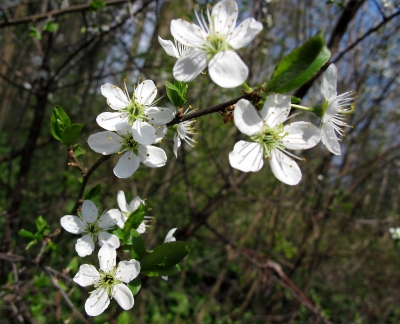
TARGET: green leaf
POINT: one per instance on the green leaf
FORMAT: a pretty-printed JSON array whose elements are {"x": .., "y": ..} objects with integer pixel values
[
  {"x": 59, "y": 120},
  {"x": 34, "y": 32},
  {"x": 134, "y": 220},
  {"x": 135, "y": 286},
  {"x": 79, "y": 150},
  {"x": 73, "y": 265},
  {"x": 25, "y": 233},
  {"x": 51, "y": 26},
  {"x": 97, "y": 4},
  {"x": 299, "y": 66},
  {"x": 176, "y": 92},
  {"x": 70, "y": 133},
  {"x": 118, "y": 232},
  {"x": 165, "y": 255},
  {"x": 30, "y": 244},
  {"x": 41, "y": 224},
  {"x": 295, "y": 100},
  {"x": 94, "y": 192},
  {"x": 123, "y": 318},
  {"x": 138, "y": 246},
  {"x": 157, "y": 271}
]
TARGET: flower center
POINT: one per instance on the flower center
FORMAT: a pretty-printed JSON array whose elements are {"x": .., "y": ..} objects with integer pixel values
[
  {"x": 107, "y": 280},
  {"x": 93, "y": 230},
  {"x": 270, "y": 138},
  {"x": 129, "y": 143},
  {"x": 135, "y": 110}
]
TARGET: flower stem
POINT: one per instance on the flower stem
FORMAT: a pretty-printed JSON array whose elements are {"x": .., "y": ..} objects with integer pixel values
[{"x": 302, "y": 107}]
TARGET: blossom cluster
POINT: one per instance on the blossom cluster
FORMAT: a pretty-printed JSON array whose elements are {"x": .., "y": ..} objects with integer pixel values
[
  {"x": 109, "y": 281},
  {"x": 137, "y": 125}
]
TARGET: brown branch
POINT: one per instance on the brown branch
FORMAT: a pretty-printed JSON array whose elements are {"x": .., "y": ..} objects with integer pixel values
[
  {"x": 207, "y": 111},
  {"x": 55, "y": 13}
]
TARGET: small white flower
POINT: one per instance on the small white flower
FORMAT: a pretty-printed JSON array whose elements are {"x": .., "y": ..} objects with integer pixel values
[
  {"x": 169, "y": 238},
  {"x": 395, "y": 233},
  {"x": 92, "y": 227},
  {"x": 182, "y": 132},
  {"x": 128, "y": 209},
  {"x": 176, "y": 50},
  {"x": 147, "y": 121},
  {"x": 214, "y": 45},
  {"x": 271, "y": 138},
  {"x": 127, "y": 142},
  {"x": 108, "y": 281},
  {"x": 334, "y": 109}
]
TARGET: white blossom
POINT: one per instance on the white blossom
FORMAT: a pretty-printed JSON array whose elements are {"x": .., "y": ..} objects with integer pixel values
[
  {"x": 127, "y": 143},
  {"x": 214, "y": 44},
  {"x": 108, "y": 281},
  {"x": 92, "y": 227},
  {"x": 147, "y": 121},
  {"x": 271, "y": 138},
  {"x": 182, "y": 132},
  {"x": 395, "y": 233},
  {"x": 128, "y": 209},
  {"x": 169, "y": 238},
  {"x": 334, "y": 110},
  {"x": 176, "y": 50}
]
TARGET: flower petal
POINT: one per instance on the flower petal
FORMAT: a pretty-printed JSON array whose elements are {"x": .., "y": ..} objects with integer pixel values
[
  {"x": 72, "y": 224},
  {"x": 116, "y": 98},
  {"x": 284, "y": 168},
  {"x": 170, "y": 237},
  {"x": 105, "y": 143},
  {"x": 177, "y": 143},
  {"x": 328, "y": 137},
  {"x": 189, "y": 67},
  {"x": 246, "y": 118},
  {"x": 169, "y": 47},
  {"x": 328, "y": 84},
  {"x": 122, "y": 204},
  {"x": 97, "y": 302},
  {"x": 141, "y": 228},
  {"x": 127, "y": 270},
  {"x": 110, "y": 120},
  {"x": 123, "y": 128},
  {"x": 109, "y": 219},
  {"x": 161, "y": 131},
  {"x": 111, "y": 239},
  {"x": 276, "y": 109},
  {"x": 244, "y": 33},
  {"x": 302, "y": 136},
  {"x": 159, "y": 115},
  {"x": 126, "y": 165},
  {"x": 143, "y": 133},
  {"x": 135, "y": 203},
  {"x": 151, "y": 156},
  {"x": 107, "y": 256},
  {"x": 89, "y": 211},
  {"x": 187, "y": 33},
  {"x": 146, "y": 92},
  {"x": 84, "y": 246},
  {"x": 123, "y": 296},
  {"x": 87, "y": 275},
  {"x": 224, "y": 15},
  {"x": 227, "y": 69},
  {"x": 247, "y": 156},
  {"x": 331, "y": 110}
]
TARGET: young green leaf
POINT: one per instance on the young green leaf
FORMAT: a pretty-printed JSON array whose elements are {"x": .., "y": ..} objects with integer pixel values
[
  {"x": 59, "y": 120},
  {"x": 138, "y": 246},
  {"x": 299, "y": 66},
  {"x": 165, "y": 255},
  {"x": 25, "y": 233},
  {"x": 51, "y": 26},
  {"x": 134, "y": 220},
  {"x": 41, "y": 224},
  {"x": 97, "y": 4},
  {"x": 93, "y": 192},
  {"x": 176, "y": 93},
  {"x": 30, "y": 244},
  {"x": 70, "y": 133},
  {"x": 123, "y": 318},
  {"x": 79, "y": 150},
  {"x": 135, "y": 285},
  {"x": 157, "y": 271},
  {"x": 34, "y": 32}
]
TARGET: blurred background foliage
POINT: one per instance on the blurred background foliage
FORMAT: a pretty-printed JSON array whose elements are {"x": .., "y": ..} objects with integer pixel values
[{"x": 261, "y": 251}]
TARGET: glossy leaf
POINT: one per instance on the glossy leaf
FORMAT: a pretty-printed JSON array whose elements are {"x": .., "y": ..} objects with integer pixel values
[
  {"x": 165, "y": 255},
  {"x": 138, "y": 246}
]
